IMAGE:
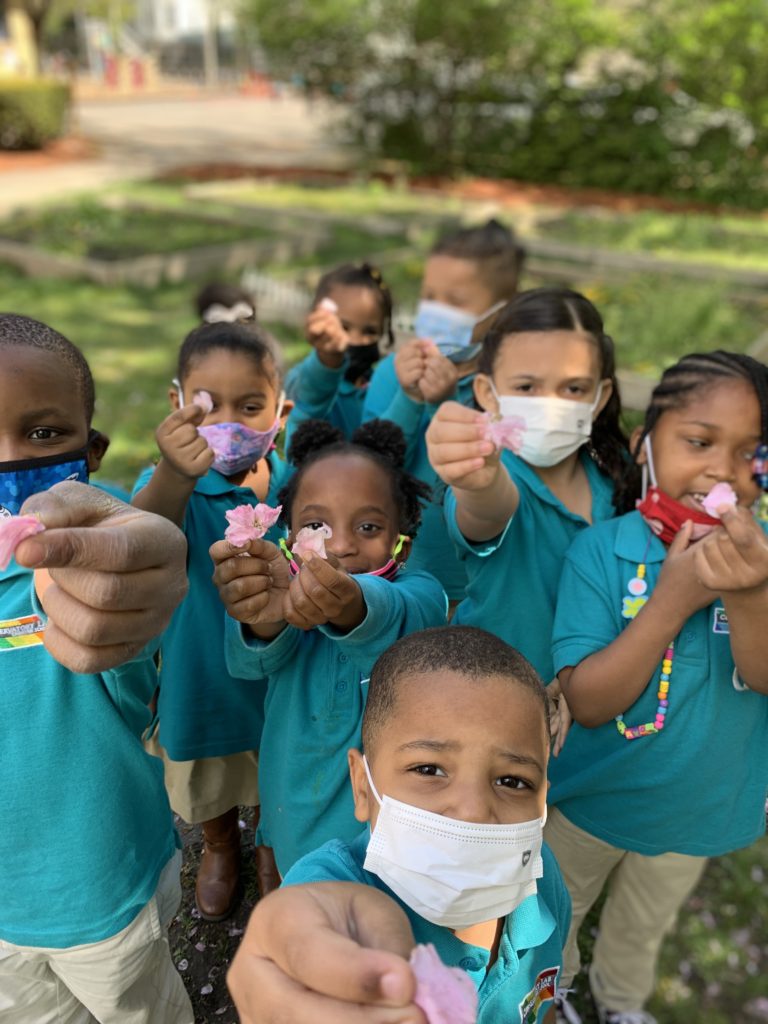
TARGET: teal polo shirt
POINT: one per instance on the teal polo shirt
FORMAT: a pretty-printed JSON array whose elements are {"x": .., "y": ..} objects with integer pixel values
[
  {"x": 433, "y": 550},
  {"x": 698, "y": 787},
  {"x": 203, "y": 710},
  {"x": 513, "y": 578},
  {"x": 321, "y": 392},
  {"x": 314, "y": 709},
  {"x": 519, "y": 986},
  {"x": 87, "y": 828}
]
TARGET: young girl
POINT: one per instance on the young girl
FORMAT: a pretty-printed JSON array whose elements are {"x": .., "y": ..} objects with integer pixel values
[
  {"x": 210, "y": 722},
  {"x": 547, "y": 369},
  {"x": 662, "y": 652},
  {"x": 316, "y": 635},
  {"x": 468, "y": 277},
  {"x": 351, "y": 314}
]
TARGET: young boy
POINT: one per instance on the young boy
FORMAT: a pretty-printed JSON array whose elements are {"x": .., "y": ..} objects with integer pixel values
[
  {"x": 453, "y": 784},
  {"x": 89, "y": 858}
]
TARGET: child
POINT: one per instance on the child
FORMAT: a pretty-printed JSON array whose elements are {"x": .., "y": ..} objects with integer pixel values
[
  {"x": 317, "y": 636},
  {"x": 351, "y": 313},
  {"x": 210, "y": 722},
  {"x": 452, "y": 781},
  {"x": 662, "y": 653},
  {"x": 547, "y": 366},
  {"x": 89, "y": 862},
  {"x": 468, "y": 277}
]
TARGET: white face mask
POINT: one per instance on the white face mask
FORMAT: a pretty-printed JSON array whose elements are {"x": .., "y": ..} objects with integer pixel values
[
  {"x": 554, "y": 427},
  {"x": 453, "y": 873}
]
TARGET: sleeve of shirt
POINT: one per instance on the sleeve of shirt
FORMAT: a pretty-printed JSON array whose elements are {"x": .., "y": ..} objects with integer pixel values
[
  {"x": 415, "y": 601},
  {"x": 588, "y": 614},
  {"x": 464, "y": 547},
  {"x": 314, "y": 389},
  {"x": 247, "y": 657},
  {"x": 331, "y": 863},
  {"x": 142, "y": 479}
]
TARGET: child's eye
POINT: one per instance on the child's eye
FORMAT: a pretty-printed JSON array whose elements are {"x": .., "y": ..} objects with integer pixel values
[
  {"x": 513, "y": 782},
  {"x": 370, "y": 528},
  {"x": 428, "y": 770},
  {"x": 371, "y": 332},
  {"x": 44, "y": 434},
  {"x": 696, "y": 442},
  {"x": 576, "y": 389},
  {"x": 314, "y": 524},
  {"x": 524, "y": 389},
  {"x": 252, "y": 410}
]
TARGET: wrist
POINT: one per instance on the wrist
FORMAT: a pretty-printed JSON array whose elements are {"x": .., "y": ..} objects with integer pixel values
[
  {"x": 170, "y": 476},
  {"x": 331, "y": 360}
]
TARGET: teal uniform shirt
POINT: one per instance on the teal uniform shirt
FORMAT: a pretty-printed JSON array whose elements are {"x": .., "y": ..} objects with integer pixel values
[
  {"x": 87, "y": 828},
  {"x": 698, "y": 787},
  {"x": 321, "y": 392},
  {"x": 433, "y": 550},
  {"x": 204, "y": 711},
  {"x": 513, "y": 578},
  {"x": 314, "y": 709},
  {"x": 520, "y": 985}
]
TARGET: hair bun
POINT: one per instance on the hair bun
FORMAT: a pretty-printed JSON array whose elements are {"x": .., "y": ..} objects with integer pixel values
[
  {"x": 310, "y": 437},
  {"x": 383, "y": 437}
]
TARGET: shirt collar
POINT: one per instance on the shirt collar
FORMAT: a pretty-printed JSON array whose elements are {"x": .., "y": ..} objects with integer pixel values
[
  {"x": 215, "y": 483},
  {"x": 636, "y": 542},
  {"x": 600, "y": 486}
]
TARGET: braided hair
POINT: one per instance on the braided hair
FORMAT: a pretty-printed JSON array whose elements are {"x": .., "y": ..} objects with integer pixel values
[
  {"x": 678, "y": 383},
  {"x": 363, "y": 275},
  {"x": 560, "y": 309},
  {"x": 381, "y": 441}
]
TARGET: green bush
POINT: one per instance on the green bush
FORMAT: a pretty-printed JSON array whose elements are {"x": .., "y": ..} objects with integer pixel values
[{"x": 32, "y": 113}]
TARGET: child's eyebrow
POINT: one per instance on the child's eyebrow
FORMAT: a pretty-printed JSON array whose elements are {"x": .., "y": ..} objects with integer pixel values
[
  {"x": 438, "y": 745},
  {"x": 30, "y": 415},
  {"x": 510, "y": 755}
]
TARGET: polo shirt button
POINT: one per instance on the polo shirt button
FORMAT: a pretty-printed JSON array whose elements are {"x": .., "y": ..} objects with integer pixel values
[
  {"x": 343, "y": 658},
  {"x": 468, "y": 964},
  {"x": 690, "y": 636},
  {"x": 341, "y": 687}
]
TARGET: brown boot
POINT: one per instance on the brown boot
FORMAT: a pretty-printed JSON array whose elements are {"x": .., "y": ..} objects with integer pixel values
[
  {"x": 217, "y": 890},
  {"x": 267, "y": 874}
]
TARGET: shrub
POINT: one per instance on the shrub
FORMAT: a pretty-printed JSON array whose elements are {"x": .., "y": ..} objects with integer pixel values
[{"x": 32, "y": 112}]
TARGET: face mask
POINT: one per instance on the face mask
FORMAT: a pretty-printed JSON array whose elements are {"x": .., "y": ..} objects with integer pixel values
[
  {"x": 451, "y": 329},
  {"x": 20, "y": 479},
  {"x": 554, "y": 427},
  {"x": 453, "y": 873},
  {"x": 235, "y": 446},
  {"x": 361, "y": 359},
  {"x": 388, "y": 571},
  {"x": 664, "y": 515}
]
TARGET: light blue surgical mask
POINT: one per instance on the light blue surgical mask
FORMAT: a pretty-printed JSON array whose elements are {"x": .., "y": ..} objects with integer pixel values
[{"x": 450, "y": 328}]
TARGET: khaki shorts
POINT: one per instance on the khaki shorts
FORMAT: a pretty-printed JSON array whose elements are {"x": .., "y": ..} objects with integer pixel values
[
  {"x": 203, "y": 789},
  {"x": 126, "y": 979}
]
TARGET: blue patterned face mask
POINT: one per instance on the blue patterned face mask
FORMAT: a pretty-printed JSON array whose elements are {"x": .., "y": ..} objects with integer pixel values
[{"x": 20, "y": 479}]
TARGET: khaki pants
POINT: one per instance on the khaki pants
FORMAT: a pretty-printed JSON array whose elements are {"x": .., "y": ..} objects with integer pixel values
[
  {"x": 126, "y": 979},
  {"x": 203, "y": 789},
  {"x": 644, "y": 898}
]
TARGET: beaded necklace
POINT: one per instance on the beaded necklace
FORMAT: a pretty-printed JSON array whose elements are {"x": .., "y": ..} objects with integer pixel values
[{"x": 631, "y": 605}]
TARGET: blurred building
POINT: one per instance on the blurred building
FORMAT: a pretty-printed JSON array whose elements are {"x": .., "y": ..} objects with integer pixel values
[{"x": 18, "y": 53}]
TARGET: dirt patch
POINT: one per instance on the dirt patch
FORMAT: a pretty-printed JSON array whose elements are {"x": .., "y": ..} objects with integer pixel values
[{"x": 61, "y": 151}]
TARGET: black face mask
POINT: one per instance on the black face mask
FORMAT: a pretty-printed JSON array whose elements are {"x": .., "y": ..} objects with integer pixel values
[{"x": 362, "y": 359}]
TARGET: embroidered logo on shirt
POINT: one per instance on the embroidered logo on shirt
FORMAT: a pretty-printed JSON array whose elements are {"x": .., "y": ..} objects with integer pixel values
[
  {"x": 542, "y": 991},
  {"x": 720, "y": 622},
  {"x": 24, "y": 632}
]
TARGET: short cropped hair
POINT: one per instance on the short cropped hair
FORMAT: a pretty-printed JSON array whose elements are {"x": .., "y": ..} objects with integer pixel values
[
  {"x": 17, "y": 331},
  {"x": 469, "y": 651}
]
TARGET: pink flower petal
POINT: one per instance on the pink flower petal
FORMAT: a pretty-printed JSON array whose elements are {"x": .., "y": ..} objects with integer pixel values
[
  {"x": 721, "y": 494},
  {"x": 13, "y": 531},
  {"x": 328, "y": 304},
  {"x": 446, "y": 995},
  {"x": 506, "y": 432},
  {"x": 204, "y": 400},
  {"x": 250, "y": 522},
  {"x": 312, "y": 541}
]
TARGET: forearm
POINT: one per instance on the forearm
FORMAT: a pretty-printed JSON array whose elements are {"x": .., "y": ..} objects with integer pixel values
[
  {"x": 747, "y": 612},
  {"x": 167, "y": 493},
  {"x": 482, "y": 515},
  {"x": 606, "y": 683}
]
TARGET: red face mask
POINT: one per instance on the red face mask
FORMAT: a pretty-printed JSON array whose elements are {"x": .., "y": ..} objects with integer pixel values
[{"x": 665, "y": 516}]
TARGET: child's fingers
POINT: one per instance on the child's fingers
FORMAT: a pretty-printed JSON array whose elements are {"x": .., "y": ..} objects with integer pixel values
[
  {"x": 450, "y": 454},
  {"x": 294, "y": 615},
  {"x": 454, "y": 412},
  {"x": 311, "y": 598},
  {"x": 741, "y": 528},
  {"x": 191, "y": 413},
  {"x": 682, "y": 538},
  {"x": 454, "y": 473},
  {"x": 222, "y": 550}
]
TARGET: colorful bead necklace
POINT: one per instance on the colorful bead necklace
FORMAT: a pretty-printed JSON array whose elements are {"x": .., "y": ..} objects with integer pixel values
[{"x": 637, "y": 588}]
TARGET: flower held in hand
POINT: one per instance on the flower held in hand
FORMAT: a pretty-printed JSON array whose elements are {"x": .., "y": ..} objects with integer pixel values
[
  {"x": 446, "y": 995},
  {"x": 721, "y": 494},
  {"x": 250, "y": 522},
  {"x": 310, "y": 540},
  {"x": 506, "y": 432},
  {"x": 13, "y": 531}
]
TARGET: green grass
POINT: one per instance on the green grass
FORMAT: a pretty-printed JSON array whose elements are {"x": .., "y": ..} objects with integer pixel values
[
  {"x": 89, "y": 229},
  {"x": 724, "y": 241}
]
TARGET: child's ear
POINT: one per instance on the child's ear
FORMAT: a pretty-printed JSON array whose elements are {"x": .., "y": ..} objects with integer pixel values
[
  {"x": 484, "y": 394},
  {"x": 285, "y": 412},
  {"x": 360, "y": 789},
  {"x": 97, "y": 449},
  {"x": 634, "y": 440},
  {"x": 606, "y": 390},
  {"x": 173, "y": 398},
  {"x": 405, "y": 550}
]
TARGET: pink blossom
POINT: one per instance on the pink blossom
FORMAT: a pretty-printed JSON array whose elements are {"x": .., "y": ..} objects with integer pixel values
[
  {"x": 328, "y": 304},
  {"x": 721, "y": 494},
  {"x": 311, "y": 540},
  {"x": 250, "y": 522},
  {"x": 506, "y": 432},
  {"x": 446, "y": 995},
  {"x": 13, "y": 531},
  {"x": 203, "y": 400}
]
